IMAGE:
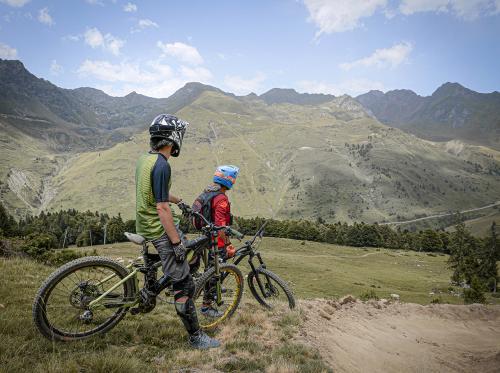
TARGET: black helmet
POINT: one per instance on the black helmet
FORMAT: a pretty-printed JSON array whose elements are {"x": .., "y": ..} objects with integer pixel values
[{"x": 169, "y": 127}]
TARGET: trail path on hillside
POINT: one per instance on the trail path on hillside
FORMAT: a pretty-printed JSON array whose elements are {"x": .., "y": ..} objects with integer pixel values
[
  {"x": 443, "y": 215},
  {"x": 378, "y": 336}
]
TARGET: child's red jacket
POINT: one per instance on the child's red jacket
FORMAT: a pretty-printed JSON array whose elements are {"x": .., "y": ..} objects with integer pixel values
[{"x": 221, "y": 214}]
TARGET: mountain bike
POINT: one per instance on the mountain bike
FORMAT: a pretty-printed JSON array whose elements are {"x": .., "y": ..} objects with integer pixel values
[
  {"x": 266, "y": 286},
  {"x": 91, "y": 295}
]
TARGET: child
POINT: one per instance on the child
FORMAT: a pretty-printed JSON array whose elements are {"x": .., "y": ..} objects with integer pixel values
[{"x": 214, "y": 204}]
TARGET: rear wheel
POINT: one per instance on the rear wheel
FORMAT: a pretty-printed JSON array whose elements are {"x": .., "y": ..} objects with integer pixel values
[
  {"x": 269, "y": 289},
  {"x": 217, "y": 297},
  {"x": 61, "y": 307}
]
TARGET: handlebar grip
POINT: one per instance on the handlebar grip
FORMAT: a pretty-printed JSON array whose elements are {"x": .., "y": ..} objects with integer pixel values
[{"x": 236, "y": 234}]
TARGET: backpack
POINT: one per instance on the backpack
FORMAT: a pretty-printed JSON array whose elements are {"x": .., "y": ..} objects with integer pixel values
[{"x": 203, "y": 206}]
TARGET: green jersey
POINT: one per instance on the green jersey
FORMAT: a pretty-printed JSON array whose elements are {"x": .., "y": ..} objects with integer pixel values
[{"x": 152, "y": 185}]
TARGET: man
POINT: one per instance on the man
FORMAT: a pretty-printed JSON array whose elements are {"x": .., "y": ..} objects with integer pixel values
[
  {"x": 156, "y": 222},
  {"x": 220, "y": 213}
]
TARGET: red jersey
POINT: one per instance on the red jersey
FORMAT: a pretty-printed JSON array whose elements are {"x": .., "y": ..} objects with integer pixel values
[{"x": 221, "y": 213}]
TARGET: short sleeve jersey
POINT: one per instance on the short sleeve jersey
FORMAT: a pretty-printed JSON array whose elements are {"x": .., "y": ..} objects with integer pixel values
[{"x": 152, "y": 183}]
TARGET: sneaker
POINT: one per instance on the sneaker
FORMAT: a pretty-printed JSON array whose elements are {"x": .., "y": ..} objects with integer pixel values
[
  {"x": 202, "y": 341},
  {"x": 211, "y": 312}
]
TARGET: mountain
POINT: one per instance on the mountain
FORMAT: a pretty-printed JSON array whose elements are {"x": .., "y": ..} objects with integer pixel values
[
  {"x": 451, "y": 112},
  {"x": 299, "y": 158},
  {"x": 82, "y": 118},
  {"x": 291, "y": 96},
  {"x": 42, "y": 126},
  {"x": 332, "y": 161}
]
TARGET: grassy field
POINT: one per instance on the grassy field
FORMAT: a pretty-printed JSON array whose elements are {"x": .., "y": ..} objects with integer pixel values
[
  {"x": 253, "y": 340},
  {"x": 323, "y": 270}
]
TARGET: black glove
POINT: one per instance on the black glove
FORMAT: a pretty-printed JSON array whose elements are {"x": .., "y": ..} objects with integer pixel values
[
  {"x": 180, "y": 252},
  {"x": 184, "y": 207}
]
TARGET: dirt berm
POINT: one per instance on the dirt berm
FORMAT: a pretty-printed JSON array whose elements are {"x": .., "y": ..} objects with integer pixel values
[{"x": 380, "y": 336}]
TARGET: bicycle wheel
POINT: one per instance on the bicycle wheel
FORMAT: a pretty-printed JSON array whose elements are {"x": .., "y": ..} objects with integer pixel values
[
  {"x": 269, "y": 289},
  {"x": 60, "y": 308},
  {"x": 223, "y": 293}
]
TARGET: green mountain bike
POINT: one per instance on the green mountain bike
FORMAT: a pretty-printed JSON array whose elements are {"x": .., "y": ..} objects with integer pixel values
[{"x": 91, "y": 295}]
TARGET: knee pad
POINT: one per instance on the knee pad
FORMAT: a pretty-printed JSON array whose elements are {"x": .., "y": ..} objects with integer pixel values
[{"x": 184, "y": 288}]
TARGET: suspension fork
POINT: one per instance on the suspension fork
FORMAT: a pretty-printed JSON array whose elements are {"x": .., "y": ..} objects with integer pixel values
[{"x": 218, "y": 285}]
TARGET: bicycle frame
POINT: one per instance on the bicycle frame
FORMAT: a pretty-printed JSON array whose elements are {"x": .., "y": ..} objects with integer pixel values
[{"x": 96, "y": 303}]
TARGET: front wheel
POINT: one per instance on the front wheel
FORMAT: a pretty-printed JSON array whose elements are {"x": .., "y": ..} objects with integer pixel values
[
  {"x": 61, "y": 308},
  {"x": 269, "y": 289},
  {"x": 217, "y": 296}
]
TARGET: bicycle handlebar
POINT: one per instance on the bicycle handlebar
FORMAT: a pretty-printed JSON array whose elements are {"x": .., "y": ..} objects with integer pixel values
[{"x": 229, "y": 230}]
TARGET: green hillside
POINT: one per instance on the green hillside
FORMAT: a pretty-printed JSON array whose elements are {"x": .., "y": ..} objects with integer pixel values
[{"x": 331, "y": 161}]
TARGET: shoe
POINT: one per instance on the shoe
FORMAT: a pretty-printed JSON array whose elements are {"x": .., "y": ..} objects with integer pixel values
[
  {"x": 202, "y": 341},
  {"x": 211, "y": 312}
]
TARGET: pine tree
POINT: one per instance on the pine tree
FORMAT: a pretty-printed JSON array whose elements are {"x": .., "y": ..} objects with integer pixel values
[
  {"x": 489, "y": 254},
  {"x": 463, "y": 255}
]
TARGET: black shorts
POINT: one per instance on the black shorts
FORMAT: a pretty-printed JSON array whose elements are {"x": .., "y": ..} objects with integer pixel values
[{"x": 173, "y": 270}]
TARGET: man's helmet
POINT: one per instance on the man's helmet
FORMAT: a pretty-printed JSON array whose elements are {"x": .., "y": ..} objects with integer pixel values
[
  {"x": 226, "y": 175},
  {"x": 169, "y": 127}
]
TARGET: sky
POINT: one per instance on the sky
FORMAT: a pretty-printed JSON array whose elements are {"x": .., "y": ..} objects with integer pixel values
[{"x": 154, "y": 47}]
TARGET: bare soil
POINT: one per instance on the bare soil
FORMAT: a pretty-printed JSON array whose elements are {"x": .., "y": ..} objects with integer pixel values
[{"x": 384, "y": 336}]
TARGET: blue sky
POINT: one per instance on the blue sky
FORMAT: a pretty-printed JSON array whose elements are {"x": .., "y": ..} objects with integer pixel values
[{"x": 154, "y": 47}]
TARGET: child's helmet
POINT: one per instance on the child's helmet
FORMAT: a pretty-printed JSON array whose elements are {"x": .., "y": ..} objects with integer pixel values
[{"x": 226, "y": 175}]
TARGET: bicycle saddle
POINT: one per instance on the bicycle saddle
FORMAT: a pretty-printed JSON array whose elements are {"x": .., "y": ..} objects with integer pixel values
[{"x": 135, "y": 238}]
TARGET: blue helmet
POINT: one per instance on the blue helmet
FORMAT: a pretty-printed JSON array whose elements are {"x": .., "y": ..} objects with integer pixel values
[{"x": 226, "y": 175}]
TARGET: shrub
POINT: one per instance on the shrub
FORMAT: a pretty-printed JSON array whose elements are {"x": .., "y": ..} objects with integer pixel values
[
  {"x": 59, "y": 257},
  {"x": 369, "y": 294},
  {"x": 475, "y": 294}
]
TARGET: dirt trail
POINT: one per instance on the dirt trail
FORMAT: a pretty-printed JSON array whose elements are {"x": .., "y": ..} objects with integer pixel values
[
  {"x": 443, "y": 215},
  {"x": 378, "y": 336}
]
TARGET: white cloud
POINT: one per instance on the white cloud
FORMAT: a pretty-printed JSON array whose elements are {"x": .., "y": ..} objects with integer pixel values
[
  {"x": 466, "y": 9},
  {"x": 340, "y": 15},
  {"x": 143, "y": 23},
  {"x": 242, "y": 86},
  {"x": 181, "y": 51},
  {"x": 352, "y": 87},
  {"x": 7, "y": 52},
  {"x": 55, "y": 68},
  {"x": 130, "y": 8},
  {"x": 95, "y": 2},
  {"x": 94, "y": 38},
  {"x": 15, "y": 3},
  {"x": 44, "y": 17},
  {"x": 155, "y": 79},
  {"x": 71, "y": 37},
  {"x": 385, "y": 57},
  {"x": 196, "y": 74}
]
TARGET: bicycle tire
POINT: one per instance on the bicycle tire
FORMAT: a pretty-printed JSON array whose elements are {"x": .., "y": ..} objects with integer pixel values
[
  {"x": 256, "y": 292},
  {"x": 205, "y": 279},
  {"x": 39, "y": 305}
]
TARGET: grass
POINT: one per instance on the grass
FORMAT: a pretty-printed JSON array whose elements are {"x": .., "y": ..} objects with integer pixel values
[
  {"x": 319, "y": 270},
  {"x": 253, "y": 340}
]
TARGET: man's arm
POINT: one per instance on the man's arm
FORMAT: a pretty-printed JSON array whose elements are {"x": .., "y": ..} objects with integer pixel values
[{"x": 165, "y": 215}]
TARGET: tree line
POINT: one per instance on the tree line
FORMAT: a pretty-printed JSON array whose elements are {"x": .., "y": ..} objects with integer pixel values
[{"x": 473, "y": 260}]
